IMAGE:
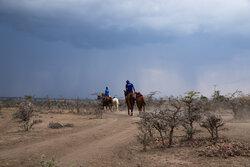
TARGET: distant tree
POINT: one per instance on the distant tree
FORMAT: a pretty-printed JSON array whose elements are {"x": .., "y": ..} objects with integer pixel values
[
  {"x": 78, "y": 105},
  {"x": 28, "y": 97},
  {"x": 218, "y": 101},
  {"x": 149, "y": 97},
  {"x": 237, "y": 102},
  {"x": 1, "y": 105},
  {"x": 48, "y": 102},
  {"x": 205, "y": 103}
]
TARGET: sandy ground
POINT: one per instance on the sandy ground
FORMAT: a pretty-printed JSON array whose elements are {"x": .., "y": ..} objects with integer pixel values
[{"x": 103, "y": 142}]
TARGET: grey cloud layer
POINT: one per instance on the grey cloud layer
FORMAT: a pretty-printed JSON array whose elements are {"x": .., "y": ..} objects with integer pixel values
[
  {"x": 96, "y": 23},
  {"x": 167, "y": 45}
]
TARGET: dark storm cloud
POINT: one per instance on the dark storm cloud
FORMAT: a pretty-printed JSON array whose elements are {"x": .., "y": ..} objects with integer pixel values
[
  {"x": 81, "y": 34},
  {"x": 93, "y": 23}
]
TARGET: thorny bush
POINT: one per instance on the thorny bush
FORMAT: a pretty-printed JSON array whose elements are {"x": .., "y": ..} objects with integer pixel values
[
  {"x": 213, "y": 124},
  {"x": 25, "y": 113},
  {"x": 160, "y": 124},
  {"x": 192, "y": 112}
]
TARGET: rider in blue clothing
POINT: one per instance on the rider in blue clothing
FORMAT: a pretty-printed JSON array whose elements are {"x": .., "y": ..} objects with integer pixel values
[
  {"x": 129, "y": 87},
  {"x": 107, "y": 91}
]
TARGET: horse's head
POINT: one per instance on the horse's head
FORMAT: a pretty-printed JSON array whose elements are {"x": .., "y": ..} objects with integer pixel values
[{"x": 125, "y": 93}]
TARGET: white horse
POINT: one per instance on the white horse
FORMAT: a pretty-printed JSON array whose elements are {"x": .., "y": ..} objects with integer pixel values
[{"x": 116, "y": 103}]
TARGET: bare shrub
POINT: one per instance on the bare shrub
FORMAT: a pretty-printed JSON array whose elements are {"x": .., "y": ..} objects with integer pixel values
[
  {"x": 145, "y": 135},
  {"x": 150, "y": 123},
  {"x": 147, "y": 122},
  {"x": 192, "y": 112},
  {"x": 213, "y": 124},
  {"x": 25, "y": 113},
  {"x": 160, "y": 124},
  {"x": 55, "y": 125},
  {"x": 146, "y": 129},
  {"x": 173, "y": 117}
]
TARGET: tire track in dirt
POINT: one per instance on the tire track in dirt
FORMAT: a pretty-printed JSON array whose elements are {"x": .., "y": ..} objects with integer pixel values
[{"x": 76, "y": 147}]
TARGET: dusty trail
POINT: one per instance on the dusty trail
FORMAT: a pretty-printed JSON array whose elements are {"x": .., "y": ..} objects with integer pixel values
[{"x": 79, "y": 147}]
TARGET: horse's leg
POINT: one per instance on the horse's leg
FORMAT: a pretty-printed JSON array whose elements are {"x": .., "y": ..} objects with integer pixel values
[
  {"x": 128, "y": 104},
  {"x": 128, "y": 108},
  {"x": 138, "y": 106},
  {"x": 132, "y": 108},
  {"x": 143, "y": 108},
  {"x": 131, "y": 100}
]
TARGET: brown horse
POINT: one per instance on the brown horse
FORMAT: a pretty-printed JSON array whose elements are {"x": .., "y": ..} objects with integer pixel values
[
  {"x": 107, "y": 101},
  {"x": 140, "y": 102},
  {"x": 130, "y": 100}
]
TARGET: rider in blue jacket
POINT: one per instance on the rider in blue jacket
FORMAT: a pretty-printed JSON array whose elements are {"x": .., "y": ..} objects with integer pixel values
[
  {"x": 107, "y": 91},
  {"x": 129, "y": 87}
]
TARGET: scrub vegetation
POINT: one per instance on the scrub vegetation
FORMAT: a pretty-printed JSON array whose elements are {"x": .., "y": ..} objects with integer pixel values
[{"x": 185, "y": 130}]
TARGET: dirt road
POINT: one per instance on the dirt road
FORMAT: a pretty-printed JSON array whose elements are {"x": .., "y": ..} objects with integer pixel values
[{"x": 87, "y": 145}]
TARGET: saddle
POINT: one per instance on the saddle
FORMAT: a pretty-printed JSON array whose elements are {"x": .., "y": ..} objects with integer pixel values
[{"x": 138, "y": 94}]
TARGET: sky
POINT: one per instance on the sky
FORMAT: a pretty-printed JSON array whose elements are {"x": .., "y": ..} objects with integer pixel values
[{"x": 74, "y": 48}]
